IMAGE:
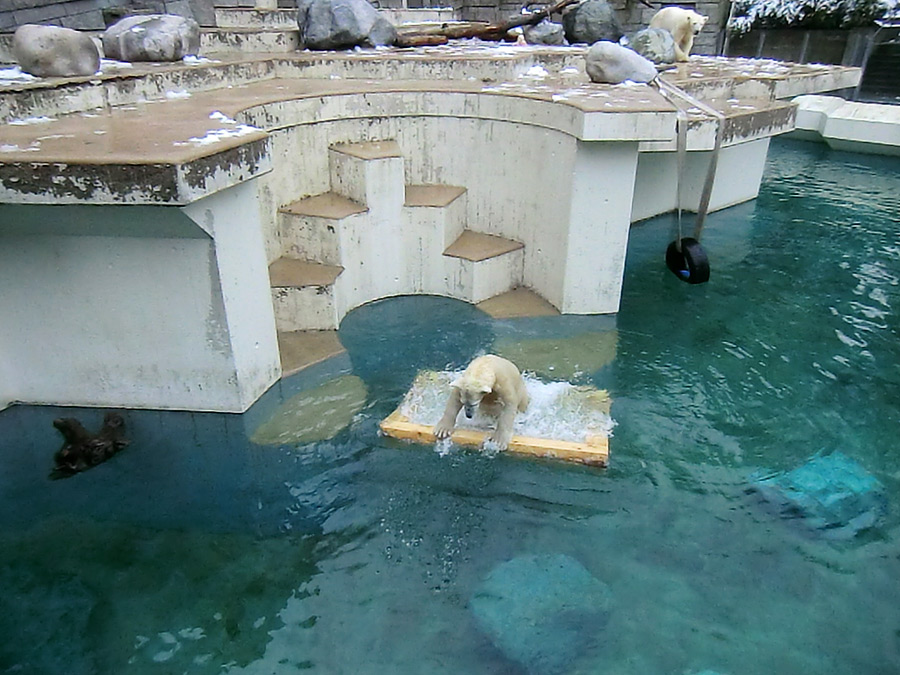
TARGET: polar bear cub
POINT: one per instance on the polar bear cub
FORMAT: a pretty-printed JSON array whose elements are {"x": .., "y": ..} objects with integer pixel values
[
  {"x": 495, "y": 386},
  {"x": 683, "y": 24}
]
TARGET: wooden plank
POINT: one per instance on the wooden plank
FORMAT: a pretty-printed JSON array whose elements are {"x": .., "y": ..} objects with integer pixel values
[{"x": 594, "y": 452}]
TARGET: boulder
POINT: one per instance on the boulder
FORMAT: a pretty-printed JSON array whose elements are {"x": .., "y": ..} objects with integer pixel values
[
  {"x": 342, "y": 24},
  {"x": 545, "y": 612},
  {"x": 831, "y": 493},
  {"x": 51, "y": 51},
  {"x": 591, "y": 21},
  {"x": 654, "y": 44},
  {"x": 152, "y": 37},
  {"x": 545, "y": 33},
  {"x": 610, "y": 63}
]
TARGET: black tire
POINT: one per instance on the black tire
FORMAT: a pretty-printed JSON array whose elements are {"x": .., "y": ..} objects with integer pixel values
[{"x": 690, "y": 264}]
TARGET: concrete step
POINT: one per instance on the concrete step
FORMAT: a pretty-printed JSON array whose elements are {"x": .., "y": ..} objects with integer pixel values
[
  {"x": 480, "y": 266},
  {"x": 369, "y": 173},
  {"x": 310, "y": 229},
  {"x": 246, "y": 17},
  {"x": 249, "y": 40},
  {"x": 303, "y": 348},
  {"x": 422, "y": 16},
  {"x": 303, "y": 294},
  {"x": 438, "y": 207}
]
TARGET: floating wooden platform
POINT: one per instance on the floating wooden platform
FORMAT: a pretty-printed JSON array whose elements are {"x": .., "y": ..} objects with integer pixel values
[{"x": 595, "y": 451}]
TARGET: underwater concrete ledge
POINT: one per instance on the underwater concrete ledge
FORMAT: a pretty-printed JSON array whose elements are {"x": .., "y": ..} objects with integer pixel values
[{"x": 536, "y": 155}]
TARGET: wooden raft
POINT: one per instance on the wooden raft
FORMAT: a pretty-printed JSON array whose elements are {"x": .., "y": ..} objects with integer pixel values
[{"x": 595, "y": 451}]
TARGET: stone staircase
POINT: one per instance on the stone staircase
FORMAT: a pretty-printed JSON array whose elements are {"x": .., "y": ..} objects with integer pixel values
[
  {"x": 373, "y": 236},
  {"x": 251, "y": 30}
]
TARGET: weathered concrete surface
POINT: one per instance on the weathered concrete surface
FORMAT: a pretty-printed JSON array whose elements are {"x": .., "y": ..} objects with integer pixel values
[{"x": 849, "y": 125}]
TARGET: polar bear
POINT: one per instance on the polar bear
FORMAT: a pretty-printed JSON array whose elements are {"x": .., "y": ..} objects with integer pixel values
[
  {"x": 496, "y": 387},
  {"x": 683, "y": 24}
]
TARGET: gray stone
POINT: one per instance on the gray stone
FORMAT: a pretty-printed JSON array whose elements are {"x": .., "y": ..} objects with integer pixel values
[
  {"x": 654, "y": 44},
  {"x": 832, "y": 493},
  {"x": 610, "y": 63},
  {"x": 591, "y": 21},
  {"x": 545, "y": 33},
  {"x": 52, "y": 51},
  {"x": 546, "y": 612},
  {"x": 152, "y": 37},
  {"x": 342, "y": 24}
]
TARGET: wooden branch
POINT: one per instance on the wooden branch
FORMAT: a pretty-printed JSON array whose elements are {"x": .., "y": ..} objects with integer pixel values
[{"x": 484, "y": 31}]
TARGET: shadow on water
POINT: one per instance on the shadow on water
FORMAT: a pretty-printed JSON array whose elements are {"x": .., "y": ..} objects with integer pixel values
[{"x": 218, "y": 543}]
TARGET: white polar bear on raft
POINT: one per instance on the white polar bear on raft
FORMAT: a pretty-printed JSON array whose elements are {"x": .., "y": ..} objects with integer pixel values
[
  {"x": 683, "y": 24},
  {"x": 496, "y": 387}
]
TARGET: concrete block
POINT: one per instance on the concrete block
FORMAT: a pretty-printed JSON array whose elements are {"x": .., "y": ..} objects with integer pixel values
[
  {"x": 307, "y": 308},
  {"x": 370, "y": 173}
]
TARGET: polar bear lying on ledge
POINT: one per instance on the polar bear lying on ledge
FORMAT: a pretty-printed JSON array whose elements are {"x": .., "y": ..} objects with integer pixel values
[
  {"x": 495, "y": 386},
  {"x": 683, "y": 24}
]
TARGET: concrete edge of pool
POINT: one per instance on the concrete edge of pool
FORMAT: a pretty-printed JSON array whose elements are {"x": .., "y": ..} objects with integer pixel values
[{"x": 164, "y": 194}]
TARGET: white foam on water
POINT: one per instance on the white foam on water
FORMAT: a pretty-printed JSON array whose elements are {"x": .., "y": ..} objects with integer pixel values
[{"x": 557, "y": 410}]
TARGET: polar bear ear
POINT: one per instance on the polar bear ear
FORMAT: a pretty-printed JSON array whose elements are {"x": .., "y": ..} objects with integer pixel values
[
  {"x": 485, "y": 389},
  {"x": 457, "y": 383}
]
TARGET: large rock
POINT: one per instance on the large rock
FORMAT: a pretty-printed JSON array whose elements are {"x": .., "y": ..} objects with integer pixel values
[
  {"x": 152, "y": 37},
  {"x": 654, "y": 44},
  {"x": 546, "y": 612},
  {"x": 342, "y": 24},
  {"x": 832, "y": 493},
  {"x": 610, "y": 63},
  {"x": 591, "y": 21},
  {"x": 51, "y": 51},
  {"x": 545, "y": 33}
]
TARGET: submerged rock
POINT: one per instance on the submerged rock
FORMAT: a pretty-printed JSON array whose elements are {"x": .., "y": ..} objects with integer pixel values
[
  {"x": 152, "y": 37},
  {"x": 51, "y": 51},
  {"x": 342, "y": 24},
  {"x": 591, "y": 21},
  {"x": 832, "y": 493},
  {"x": 546, "y": 612},
  {"x": 610, "y": 63},
  {"x": 314, "y": 415},
  {"x": 561, "y": 358},
  {"x": 654, "y": 44}
]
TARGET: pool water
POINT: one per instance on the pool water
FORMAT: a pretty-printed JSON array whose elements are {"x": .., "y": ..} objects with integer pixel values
[{"x": 196, "y": 550}]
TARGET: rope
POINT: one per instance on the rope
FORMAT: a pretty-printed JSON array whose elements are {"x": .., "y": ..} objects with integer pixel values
[{"x": 682, "y": 101}]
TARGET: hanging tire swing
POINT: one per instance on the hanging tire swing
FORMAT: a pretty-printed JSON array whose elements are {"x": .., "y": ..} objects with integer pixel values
[
  {"x": 688, "y": 261},
  {"x": 685, "y": 257}
]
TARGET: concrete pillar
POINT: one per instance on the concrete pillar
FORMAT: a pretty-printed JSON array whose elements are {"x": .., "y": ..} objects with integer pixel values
[
  {"x": 137, "y": 306},
  {"x": 599, "y": 220}
]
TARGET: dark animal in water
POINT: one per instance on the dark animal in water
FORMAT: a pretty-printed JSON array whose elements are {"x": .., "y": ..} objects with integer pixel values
[{"x": 81, "y": 449}]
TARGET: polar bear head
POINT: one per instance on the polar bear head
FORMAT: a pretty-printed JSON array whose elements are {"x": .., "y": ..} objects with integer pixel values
[
  {"x": 697, "y": 21},
  {"x": 472, "y": 387}
]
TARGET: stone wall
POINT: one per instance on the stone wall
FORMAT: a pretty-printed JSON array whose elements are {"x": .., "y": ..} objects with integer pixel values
[{"x": 97, "y": 14}]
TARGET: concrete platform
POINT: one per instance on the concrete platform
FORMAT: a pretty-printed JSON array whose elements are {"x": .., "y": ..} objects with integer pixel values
[
  {"x": 848, "y": 125},
  {"x": 190, "y": 172},
  {"x": 517, "y": 303},
  {"x": 301, "y": 349},
  {"x": 477, "y": 246}
]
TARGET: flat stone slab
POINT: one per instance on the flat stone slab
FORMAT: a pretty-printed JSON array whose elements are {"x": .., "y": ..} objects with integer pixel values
[
  {"x": 517, "y": 303},
  {"x": 370, "y": 150},
  {"x": 432, "y": 195},
  {"x": 303, "y": 348},
  {"x": 477, "y": 246},
  {"x": 291, "y": 273},
  {"x": 327, "y": 205}
]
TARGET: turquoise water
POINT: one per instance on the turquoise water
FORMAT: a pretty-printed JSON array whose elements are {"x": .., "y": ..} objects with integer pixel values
[{"x": 197, "y": 551}]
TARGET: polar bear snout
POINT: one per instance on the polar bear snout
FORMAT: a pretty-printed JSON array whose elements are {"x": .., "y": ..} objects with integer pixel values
[{"x": 470, "y": 410}]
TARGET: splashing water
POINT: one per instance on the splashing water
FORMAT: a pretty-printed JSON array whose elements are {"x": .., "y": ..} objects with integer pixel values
[{"x": 557, "y": 410}]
